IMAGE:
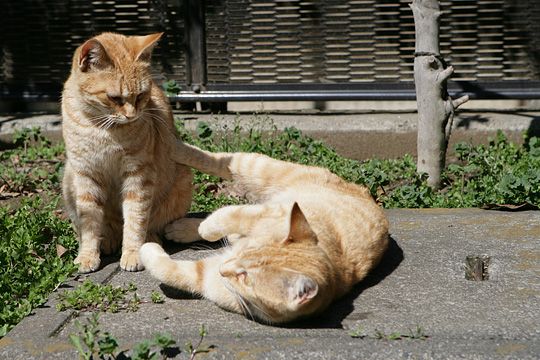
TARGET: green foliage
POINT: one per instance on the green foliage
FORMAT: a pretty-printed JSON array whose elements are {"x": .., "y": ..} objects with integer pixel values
[
  {"x": 193, "y": 350},
  {"x": 36, "y": 256},
  {"x": 157, "y": 298},
  {"x": 32, "y": 166},
  {"x": 90, "y": 296},
  {"x": 357, "y": 333},
  {"x": 171, "y": 88},
  {"x": 92, "y": 343},
  {"x": 416, "y": 334},
  {"x": 498, "y": 173}
]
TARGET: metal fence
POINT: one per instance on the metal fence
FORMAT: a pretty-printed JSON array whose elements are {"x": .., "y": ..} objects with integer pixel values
[{"x": 223, "y": 50}]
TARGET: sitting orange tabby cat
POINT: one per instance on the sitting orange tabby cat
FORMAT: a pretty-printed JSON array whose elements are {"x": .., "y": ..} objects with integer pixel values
[
  {"x": 311, "y": 237},
  {"x": 120, "y": 185}
]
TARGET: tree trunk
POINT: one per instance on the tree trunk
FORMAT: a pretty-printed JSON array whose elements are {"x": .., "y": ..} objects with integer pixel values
[{"x": 435, "y": 107}]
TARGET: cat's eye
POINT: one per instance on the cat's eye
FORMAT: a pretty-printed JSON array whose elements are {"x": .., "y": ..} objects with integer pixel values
[
  {"x": 116, "y": 99},
  {"x": 140, "y": 97}
]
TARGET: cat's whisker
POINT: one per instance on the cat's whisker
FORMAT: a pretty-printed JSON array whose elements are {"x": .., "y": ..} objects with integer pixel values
[
  {"x": 246, "y": 311},
  {"x": 202, "y": 247},
  {"x": 260, "y": 310},
  {"x": 225, "y": 241}
]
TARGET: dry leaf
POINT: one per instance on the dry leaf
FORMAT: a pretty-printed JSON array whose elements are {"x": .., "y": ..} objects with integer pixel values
[{"x": 60, "y": 250}]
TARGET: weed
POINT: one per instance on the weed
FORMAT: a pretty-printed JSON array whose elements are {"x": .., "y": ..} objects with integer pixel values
[
  {"x": 91, "y": 341},
  {"x": 358, "y": 333},
  {"x": 33, "y": 166},
  {"x": 197, "y": 349},
  {"x": 37, "y": 254},
  {"x": 416, "y": 334},
  {"x": 90, "y": 296},
  {"x": 498, "y": 173},
  {"x": 157, "y": 298},
  {"x": 171, "y": 88}
]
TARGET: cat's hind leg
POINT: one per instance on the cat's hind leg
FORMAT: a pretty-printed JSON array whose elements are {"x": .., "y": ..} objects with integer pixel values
[{"x": 184, "y": 230}]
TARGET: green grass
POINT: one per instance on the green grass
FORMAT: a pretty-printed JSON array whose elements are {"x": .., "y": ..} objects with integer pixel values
[
  {"x": 498, "y": 173},
  {"x": 32, "y": 166},
  {"x": 90, "y": 296},
  {"x": 91, "y": 342},
  {"x": 38, "y": 244},
  {"x": 32, "y": 258}
]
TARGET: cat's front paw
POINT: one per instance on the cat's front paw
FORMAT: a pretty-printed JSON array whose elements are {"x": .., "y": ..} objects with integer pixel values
[
  {"x": 151, "y": 252},
  {"x": 183, "y": 230},
  {"x": 88, "y": 261},
  {"x": 130, "y": 261},
  {"x": 211, "y": 230}
]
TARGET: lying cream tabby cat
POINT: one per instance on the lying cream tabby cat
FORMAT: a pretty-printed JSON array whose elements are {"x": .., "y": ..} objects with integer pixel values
[{"x": 311, "y": 237}]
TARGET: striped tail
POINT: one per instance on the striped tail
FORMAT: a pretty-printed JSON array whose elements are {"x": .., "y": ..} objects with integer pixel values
[{"x": 210, "y": 163}]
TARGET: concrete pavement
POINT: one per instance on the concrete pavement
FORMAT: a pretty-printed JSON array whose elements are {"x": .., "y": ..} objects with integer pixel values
[{"x": 421, "y": 282}]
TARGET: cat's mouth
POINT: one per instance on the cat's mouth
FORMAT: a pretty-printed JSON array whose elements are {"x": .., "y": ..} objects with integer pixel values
[
  {"x": 112, "y": 121},
  {"x": 123, "y": 120}
]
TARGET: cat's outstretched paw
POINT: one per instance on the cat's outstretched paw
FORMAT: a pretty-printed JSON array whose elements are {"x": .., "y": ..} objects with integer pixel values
[
  {"x": 211, "y": 230},
  {"x": 150, "y": 254},
  {"x": 130, "y": 261},
  {"x": 183, "y": 230},
  {"x": 88, "y": 261}
]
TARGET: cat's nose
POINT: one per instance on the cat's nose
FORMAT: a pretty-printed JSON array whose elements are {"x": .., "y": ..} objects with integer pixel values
[{"x": 129, "y": 111}]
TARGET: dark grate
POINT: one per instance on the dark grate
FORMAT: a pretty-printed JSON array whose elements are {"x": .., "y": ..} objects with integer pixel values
[
  {"x": 263, "y": 42},
  {"x": 337, "y": 41},
  {"x": 39, "y": 37}
]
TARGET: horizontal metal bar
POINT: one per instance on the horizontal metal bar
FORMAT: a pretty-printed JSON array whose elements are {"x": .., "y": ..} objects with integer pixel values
[
  {"x": 321, "y": 92},
  {"x": 225, "y": 96},
  {"x": 355, "y": 91}
]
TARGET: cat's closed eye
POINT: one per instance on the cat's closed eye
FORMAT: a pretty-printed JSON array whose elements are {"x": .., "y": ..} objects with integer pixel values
[
  {"x": 116, "y": 99},
  {"x": 140, "y": 97}
]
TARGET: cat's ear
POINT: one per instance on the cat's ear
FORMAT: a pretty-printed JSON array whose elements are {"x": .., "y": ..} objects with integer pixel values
[
  {"x": 302, "y": 290},
  {"x": 299, "y": 229},
  {"x": 145, "y": 45},
  {"x": 93, "y": 56}
]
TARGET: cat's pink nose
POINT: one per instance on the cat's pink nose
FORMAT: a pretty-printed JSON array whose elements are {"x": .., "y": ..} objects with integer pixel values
[{"x": 129, "y": 111}]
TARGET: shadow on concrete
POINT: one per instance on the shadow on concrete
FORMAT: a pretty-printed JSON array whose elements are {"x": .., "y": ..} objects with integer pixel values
[
  {"x": 465, "y": 121},
  {"x": 333, "y": 317},
  {"x": 534, "y": 127}
]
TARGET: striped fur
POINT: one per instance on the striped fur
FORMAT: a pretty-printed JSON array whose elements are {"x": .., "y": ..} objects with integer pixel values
[
  {"x": 306, "y": 241},
  {"x": 121, "y": 185}
]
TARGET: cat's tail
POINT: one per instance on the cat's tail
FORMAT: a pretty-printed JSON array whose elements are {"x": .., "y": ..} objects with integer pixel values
[
  {"x": 257, "y": 172},
  {"x": 210, "y": 163}
]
